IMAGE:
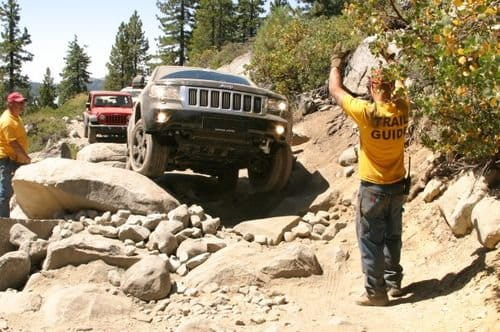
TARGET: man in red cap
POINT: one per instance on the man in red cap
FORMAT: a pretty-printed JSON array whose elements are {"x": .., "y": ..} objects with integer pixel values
[{"x": 13, "y": 147}]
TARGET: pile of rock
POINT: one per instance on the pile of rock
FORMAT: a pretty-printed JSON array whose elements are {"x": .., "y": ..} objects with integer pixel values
[
  {"x": 182, "y": 239},
  {"x": 322, "y": 225}
]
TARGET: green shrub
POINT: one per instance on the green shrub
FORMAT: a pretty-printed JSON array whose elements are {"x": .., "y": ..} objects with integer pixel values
[
  {"x": 292, "y": 54},
  {"x": 212, "y": 58},
  {"x": 451, "y": 53},
  {"x": 47, "y": 122}
]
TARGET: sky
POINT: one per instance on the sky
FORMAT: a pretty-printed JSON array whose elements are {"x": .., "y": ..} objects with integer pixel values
[{"x": 52, "y": 24}]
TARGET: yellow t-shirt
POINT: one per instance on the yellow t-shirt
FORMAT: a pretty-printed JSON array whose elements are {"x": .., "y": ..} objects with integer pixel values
[
  {"x": 11, "y": 129},
  {"x": 382, "y": 129}
]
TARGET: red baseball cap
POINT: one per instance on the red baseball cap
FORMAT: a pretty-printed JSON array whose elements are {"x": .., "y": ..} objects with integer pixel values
[{"x": 15, "y": 97}]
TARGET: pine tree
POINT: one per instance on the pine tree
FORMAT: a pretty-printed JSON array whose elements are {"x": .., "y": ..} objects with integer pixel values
[
  {"x": 118, "y": 64},
  {"x": 75, "y": 76},
  {"x": 177, "y": 24},
  {"x": 324, "y": 7},
  {"x": 128, "y": 55},
  {"x": 13, "y": 51},
  {"x": 248, "y": 13},
  {"x": 214, "y": 25},
  {"x": 48, "y": 91}
]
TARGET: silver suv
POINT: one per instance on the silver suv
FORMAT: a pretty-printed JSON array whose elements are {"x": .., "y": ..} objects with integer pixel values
[{"x": 210, "y": 122}]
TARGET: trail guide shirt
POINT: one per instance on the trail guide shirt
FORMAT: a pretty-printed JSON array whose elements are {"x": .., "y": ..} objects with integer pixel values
[
  {"x": 11, "y": 129},
  {"x": 382, "y": 135}
]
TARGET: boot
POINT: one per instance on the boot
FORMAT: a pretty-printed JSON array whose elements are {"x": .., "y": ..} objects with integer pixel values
[{"x": 378, "y": 300}]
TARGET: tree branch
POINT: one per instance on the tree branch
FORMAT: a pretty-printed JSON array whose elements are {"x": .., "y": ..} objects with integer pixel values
[{"x": 398, "y": 13}]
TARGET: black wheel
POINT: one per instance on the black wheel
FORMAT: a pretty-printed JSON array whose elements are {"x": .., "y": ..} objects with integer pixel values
[
  {"x": 147, "y": 156},
  {"x": 227, "y": 179},
  {"x": 272, "y": 174},
  {"x": 92, "y": 134}
]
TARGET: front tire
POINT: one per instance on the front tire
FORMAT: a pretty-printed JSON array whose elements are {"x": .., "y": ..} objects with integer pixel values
[
  {"x": 274, "y": 174},
  {"x": 228, "y": 179},
  {"x": 146, "y": 155}
]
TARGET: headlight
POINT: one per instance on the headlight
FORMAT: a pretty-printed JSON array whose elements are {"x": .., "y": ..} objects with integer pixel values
[
  {"x": 165, "y": 92},
  {"x": 277, "y": 105},
  {"x": 280, "y": 129},
  {"x": 162, "y": 117}
]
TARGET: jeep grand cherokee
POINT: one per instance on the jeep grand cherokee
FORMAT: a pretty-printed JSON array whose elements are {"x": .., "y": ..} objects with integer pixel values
[{"x": 210, "y": 122}]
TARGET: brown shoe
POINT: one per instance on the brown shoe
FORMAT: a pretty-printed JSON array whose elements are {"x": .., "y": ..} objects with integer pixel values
[
  {"x": 378, "y": 300},
  {"x": 394, "y": 292}
]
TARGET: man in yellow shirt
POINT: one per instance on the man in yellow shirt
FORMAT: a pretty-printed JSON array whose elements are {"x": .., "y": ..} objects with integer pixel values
[
  {"x": 13, "y": 147},
  {"x": 382, "y": 125}
]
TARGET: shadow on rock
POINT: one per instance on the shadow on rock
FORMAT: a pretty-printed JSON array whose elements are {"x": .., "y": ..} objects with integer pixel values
[
  {"x": 452, "y": 282},
  {"x": 245, "y": 204}
]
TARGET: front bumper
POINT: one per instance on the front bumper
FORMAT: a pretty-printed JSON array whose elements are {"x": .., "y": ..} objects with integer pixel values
[
  {"x": 222, "y": 126},
  {"x": 109, "y": 129}
]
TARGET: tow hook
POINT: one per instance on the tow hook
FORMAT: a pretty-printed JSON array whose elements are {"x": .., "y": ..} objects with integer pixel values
[{"x": 265, "y": 146}]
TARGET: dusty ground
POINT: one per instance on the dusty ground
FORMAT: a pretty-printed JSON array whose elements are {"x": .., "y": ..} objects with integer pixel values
[{"x": 450, "y": 284}]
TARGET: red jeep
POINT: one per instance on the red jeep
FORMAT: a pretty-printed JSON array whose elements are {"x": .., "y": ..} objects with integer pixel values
[{"x": 107, "y": 113}]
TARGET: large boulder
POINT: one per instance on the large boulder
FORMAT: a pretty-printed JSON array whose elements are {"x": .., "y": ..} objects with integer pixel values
[
  {"x": 272, "y": 228},
  {"x": 359, "y": 67},
  {"x": 148, "y": 279},
  {"x": 246, "y": 263},
  {"x": 14, "y": 269},
  {"x": 487, "y": 222},
  {"x": 457, "y": 202},
  {"x": 55, "y": 185},
  {"x": 102, "y": 152},
  {"x": 84, "y": 248}
]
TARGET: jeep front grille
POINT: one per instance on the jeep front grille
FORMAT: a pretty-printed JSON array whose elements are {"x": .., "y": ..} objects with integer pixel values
[
  {"x": 116, "y": 119},
  {"x": 226, "y": 100}
]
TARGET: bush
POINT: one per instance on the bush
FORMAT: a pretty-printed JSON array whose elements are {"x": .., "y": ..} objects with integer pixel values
[
  {"x": 47, "y": 122},
  {"x": 450, "y": 50},
  {"x": 212, "y": 58},
  {"x": 292, "y": 54}
]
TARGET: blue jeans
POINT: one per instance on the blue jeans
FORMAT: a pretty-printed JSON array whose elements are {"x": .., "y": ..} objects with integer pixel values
[
  {"x": 378, "y": 228},
  {"x": 7, "y": 169}
]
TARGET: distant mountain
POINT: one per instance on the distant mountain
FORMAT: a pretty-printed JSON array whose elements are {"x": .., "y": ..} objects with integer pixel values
[{"x": 95, "y": 84}]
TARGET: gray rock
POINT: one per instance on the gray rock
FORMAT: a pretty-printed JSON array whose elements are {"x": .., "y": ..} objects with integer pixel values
[
  {"x": 457, "y": 202},
  {"x": 133, "y": 232},
  {"x": 106, "y": 231},
  {"x": 289, "y": 236},
  {"x": 295, "y": 261},
  {"x": 36, "y": 250},
  {"x": 197, "y": 260},
  {"x": 348, "y": 157},
  {"x": 19, "y": 234},
  {"x": 148, "y": 279},
  {"x": 348, "y": 171},
  {"x": 210, "y": 226},
  {"x": 319, "y": 229},
  {"x": 196, "y": 210},
  {"x": 487, "y": 222},
  {"x": 302, "y": 230},
  {"x": 152, "y": 221},
  {"x": 181, "y": 214},
  {"x": 191, "y": 248},
  {"x": 14, "y": 269},
  {"x": 271, "y": 228},
  {"x": 433, "y": 189},
  {"x": 99, "y": 152},
  {"x": 163, "y": 240},
  {"x": 84, "y": 248},
  {"x": 332, "y": 230},
  {"x": 114, "y": 278},
  {"x": 195, "y": 221},
  {"x": 55, "y": 185}
]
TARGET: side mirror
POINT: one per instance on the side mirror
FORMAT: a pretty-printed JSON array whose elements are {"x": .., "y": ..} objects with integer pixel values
[{"x": 87, "y": 105}]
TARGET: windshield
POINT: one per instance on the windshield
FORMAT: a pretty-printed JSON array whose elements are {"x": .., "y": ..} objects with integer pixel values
[
  {"x": 112, "y": 101},
  {"x": 206, "y": 75}
]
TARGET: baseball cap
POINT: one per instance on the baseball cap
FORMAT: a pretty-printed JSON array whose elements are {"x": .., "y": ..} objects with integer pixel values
[{"x": 15, "y": 97}]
